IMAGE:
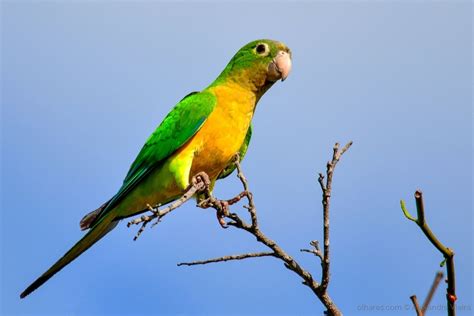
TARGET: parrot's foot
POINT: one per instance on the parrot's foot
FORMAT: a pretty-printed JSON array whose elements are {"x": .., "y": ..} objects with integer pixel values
[
  {"x": 202, "y": 181},
  {"x": 200, "y": 184},
  {"x": 221, "y": 207}
]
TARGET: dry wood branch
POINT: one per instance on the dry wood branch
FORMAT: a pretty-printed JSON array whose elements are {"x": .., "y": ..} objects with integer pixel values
[
  {"x": 201, "y": 184},
  {"x": 228, "y": 258},
  {"x": 320, "y": 290},
  {"x": 434, "y": 286},
  {"x": 447, "y": 252},
  {"x": 316, "y": 250},
  {"x": 326, "y": 190},
  {"x": 422, "y": 311},
  {"x": 416, "y": 305}
]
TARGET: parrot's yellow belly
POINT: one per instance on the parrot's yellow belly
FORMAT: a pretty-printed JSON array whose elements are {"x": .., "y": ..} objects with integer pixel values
[
  {"x": 209, "y": 150},
  {"x": 223, "y": 133}
]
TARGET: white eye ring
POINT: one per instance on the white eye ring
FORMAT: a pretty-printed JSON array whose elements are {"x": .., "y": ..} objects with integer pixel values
[{"x": 262, "y": 49}]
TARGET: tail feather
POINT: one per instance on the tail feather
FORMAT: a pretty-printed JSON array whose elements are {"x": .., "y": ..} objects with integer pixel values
[
  {"x": 90, "y": 218},
  {"x": 99, "y": 230}
]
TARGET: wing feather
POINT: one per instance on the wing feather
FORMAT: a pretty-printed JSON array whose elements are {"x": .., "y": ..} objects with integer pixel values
[{"x": 182, "y": 123}]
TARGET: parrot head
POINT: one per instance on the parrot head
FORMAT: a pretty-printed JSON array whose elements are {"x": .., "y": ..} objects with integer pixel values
[{"x": 258, "y": 65}]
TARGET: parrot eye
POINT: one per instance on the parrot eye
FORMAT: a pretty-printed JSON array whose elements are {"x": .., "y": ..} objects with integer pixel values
[{"x": 262, "y": 49}]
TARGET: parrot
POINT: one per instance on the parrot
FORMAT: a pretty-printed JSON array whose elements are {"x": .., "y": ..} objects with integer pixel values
[{"x": 202, "y": 133}]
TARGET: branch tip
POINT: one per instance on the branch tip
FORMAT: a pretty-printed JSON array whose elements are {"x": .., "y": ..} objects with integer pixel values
[
  {"x": 405, "y": 211},
  {"x": 416, "y": 305},
  {"x": 445, "y": 251}
]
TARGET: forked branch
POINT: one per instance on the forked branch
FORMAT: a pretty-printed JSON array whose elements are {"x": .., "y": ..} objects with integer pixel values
[
  {"x": 200, "y": 184},
  {"x": 422, "y": 311},
  {"x": 445, "y": 251},
  {"x": 326, "y": 189}
]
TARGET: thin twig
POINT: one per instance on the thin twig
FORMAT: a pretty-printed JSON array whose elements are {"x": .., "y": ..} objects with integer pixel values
[
  {"x": 416, "y": 305},
  {"x": 434, "y": 286},
  {"x": 447, "y": 252},
  {"x": 315, "y": 250},
  {"x": 199, "y": 183},
  {"x": 326, "y": 190},
  {"x": 228, "y": 258}
]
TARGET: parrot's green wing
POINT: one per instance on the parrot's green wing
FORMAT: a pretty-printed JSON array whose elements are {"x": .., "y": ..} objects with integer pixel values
[
  {"x": 184, "y": 120},
  {"x": 242, "y": 151}
]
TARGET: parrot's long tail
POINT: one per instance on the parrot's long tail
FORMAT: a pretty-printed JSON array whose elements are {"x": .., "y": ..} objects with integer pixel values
[{"x": 99, "y": 230}]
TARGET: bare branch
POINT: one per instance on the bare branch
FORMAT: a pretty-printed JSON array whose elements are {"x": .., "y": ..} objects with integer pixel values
[
  {"x": 253, "y": 228},
  {"x": 228, "y": 258},
  {"x": 447, "y": 252},
  {"x": 344, "y": 149},
  {"x": 416, "y": 305},
  {"x": 321, "y": 182},
  {"x": 434, "y": 286},
  {"x": 326, "y": 190},
  {"x": 251, "y": 204},
  {"x": 315, "y": 251},
  {"x": 201, "y": 184}
]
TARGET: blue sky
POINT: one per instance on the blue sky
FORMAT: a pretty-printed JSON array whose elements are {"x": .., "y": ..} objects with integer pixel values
[{"x": 85, "y": 83}]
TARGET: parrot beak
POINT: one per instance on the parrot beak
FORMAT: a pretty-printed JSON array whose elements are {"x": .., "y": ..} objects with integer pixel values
[{"x": 280, "y": 66}]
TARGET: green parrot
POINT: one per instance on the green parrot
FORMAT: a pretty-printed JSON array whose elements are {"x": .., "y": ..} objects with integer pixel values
[{"x": 202, "y": 133}]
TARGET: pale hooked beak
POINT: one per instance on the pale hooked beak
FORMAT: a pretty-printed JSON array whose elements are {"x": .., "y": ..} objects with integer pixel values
[{"x": 280, "y": 67}]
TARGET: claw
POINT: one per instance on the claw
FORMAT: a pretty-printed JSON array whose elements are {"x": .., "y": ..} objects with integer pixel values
[
  {"x": 222, "y": 212},
  {"x": 202, "y": 181},
  {"x": 204, "y": 203},
  {"x": 202, "y": 177},
  {"x": 221, "y": 221}
]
